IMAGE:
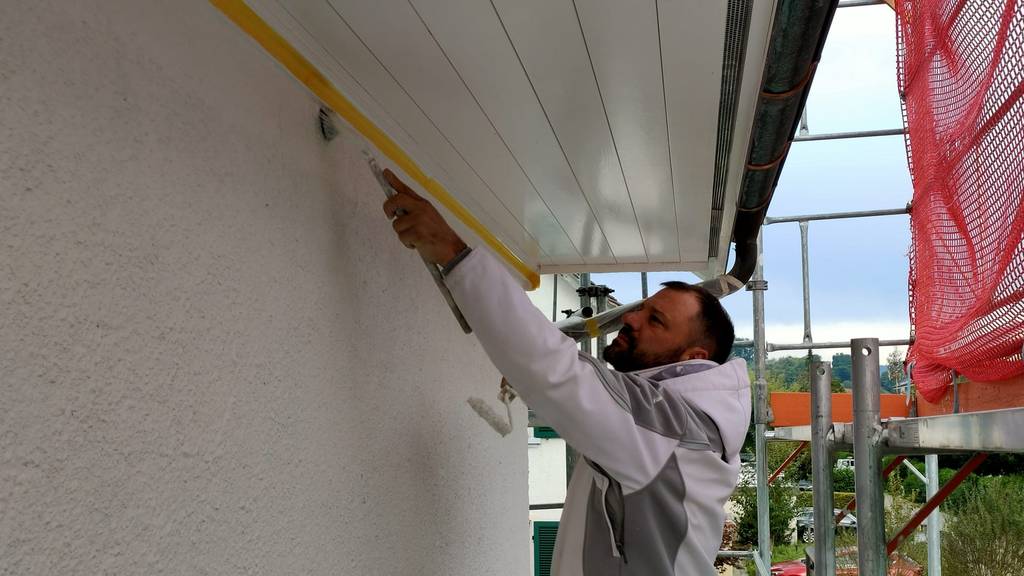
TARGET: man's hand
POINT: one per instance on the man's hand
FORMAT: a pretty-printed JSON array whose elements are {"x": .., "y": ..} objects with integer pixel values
[{"x": 419, "y": 225}]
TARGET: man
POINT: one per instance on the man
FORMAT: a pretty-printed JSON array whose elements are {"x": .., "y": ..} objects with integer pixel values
[{"x": 660, "y": 434}]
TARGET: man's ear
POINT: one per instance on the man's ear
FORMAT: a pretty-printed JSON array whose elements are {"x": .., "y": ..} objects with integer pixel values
[{"x": 696, "y": 353}]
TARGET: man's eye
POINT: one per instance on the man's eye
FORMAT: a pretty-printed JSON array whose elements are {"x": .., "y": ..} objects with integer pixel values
[{"x": 656, "y": 320}]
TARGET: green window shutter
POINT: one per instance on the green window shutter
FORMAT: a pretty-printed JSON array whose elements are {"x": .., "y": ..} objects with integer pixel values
[
  {"x": 544, "y": 534},
  {"x": 545, "y": 432}
]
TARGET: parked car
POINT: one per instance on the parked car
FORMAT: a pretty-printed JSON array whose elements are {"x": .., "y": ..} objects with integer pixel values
[
  {"x": 804, "y": 485},
  {"x": 805, "y": 524},
  {"x": 791, "y": 568}
]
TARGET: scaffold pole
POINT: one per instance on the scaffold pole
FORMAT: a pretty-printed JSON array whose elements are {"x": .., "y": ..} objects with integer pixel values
[
  {"x": 821, "y": 468},
  {"x": 867, "y": 422}
]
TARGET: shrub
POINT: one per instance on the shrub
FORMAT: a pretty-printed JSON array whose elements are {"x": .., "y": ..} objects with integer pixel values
[
  {"x": 806, "y": 499},
  {"x": 898, "y": 512},
  {"x": 842, "y": 480},
  {"x": 985, "y": 535},
  {"x": 782, "y": 509}
]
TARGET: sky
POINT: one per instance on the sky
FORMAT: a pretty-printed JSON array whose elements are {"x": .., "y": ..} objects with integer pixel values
[{"x": 859, "y": 267}]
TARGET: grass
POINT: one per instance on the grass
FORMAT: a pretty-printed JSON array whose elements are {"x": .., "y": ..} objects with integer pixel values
[
  {"x": 787, "y": 552},
  {"x": 780, "y": 553}
]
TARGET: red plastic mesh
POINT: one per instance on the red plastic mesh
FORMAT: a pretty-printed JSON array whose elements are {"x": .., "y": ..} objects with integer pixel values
[{"x": 961, "y": 72}]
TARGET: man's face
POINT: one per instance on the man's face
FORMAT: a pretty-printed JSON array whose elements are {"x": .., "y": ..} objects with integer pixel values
[{"x": 664, "y": 330}]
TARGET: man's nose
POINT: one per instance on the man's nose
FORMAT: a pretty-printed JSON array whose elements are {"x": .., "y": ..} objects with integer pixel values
[{"x": 629, "y": 319}]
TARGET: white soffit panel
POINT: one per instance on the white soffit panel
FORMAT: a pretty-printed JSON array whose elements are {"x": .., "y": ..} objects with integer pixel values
[
  {"x": 550, "y": 44},
  {"x": 622, "y": 44},
  {"x": 583, "y": 134},
  {"x": 478, "y": 48},
  {"x": 393, "y": 32},
  {"x": 692, "y": 40}
]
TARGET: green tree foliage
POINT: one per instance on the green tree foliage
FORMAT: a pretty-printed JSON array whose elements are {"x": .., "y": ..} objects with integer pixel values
[
  {"x": 801, "y": 469},
  {"x": 782, "y": 509},
  {"x": 842, "y": 480},
  {"x": 985, "y": 535},
  {"x": 806, "y": 499},
  {"x": 994, "y": 465},
  {"x": 781, "y": 502},
  {"x": 896, "y": 372},
  {"x": 898, "y": 512},
  {"x": 745, "y": 352},
  {"x": 789, "y": 373},
  {"x": 842, "y": 368}
]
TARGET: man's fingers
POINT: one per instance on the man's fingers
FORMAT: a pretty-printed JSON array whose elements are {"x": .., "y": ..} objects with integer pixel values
[
  {"x": 398, "y": 185},
  {"x": 408, "y": 238},
  {"x": 390, "y": 206},
  {"x": 403, "y": 223},
  {"x": 399, "y": 202},
  {"x": 405, "y": 228}
]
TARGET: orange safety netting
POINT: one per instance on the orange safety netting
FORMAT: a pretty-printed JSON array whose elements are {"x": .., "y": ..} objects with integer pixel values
[{"x": 961, "y": 74}]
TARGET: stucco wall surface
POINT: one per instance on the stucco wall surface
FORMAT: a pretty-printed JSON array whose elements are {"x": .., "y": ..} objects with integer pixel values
[{"x": 214, "y": 357}]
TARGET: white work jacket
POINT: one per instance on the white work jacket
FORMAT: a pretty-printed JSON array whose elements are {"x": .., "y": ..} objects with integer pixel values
[{"x": 661, "y": 445}]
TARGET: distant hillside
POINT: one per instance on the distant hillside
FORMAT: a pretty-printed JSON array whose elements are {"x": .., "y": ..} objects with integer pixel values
[{"x": 791, "y": 372}]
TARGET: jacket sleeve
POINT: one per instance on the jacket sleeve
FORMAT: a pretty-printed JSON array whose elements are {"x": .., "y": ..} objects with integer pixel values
[{"x": 626, "y": 424}]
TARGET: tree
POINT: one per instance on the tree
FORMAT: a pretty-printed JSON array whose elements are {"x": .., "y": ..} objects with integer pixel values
[
  {"x": 791, "y": 372},
  {"x": 743, "y": 351},
  {"x": 842, "y": 368},
  {"x": 896, "y": 372},
  {"x": 843, "y": 479},
  {"x": 781, "y": 510},
  {"x": 781, "y": 502}
]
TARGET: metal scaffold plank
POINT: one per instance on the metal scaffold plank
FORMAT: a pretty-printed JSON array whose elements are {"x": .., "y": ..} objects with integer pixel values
[{"x": 991, "y": 431}]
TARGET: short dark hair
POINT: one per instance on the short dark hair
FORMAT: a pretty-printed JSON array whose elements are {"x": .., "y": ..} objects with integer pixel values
[{"x": 716, "y": 325}]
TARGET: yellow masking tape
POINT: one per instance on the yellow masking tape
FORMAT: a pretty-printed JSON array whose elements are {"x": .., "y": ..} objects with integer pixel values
[
  {"x": 305, "y": 72},
  {"x": 593, "y": 328}
]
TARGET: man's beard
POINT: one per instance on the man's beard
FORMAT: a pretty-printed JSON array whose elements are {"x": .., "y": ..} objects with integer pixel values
[{"x": 625, "y": 358}]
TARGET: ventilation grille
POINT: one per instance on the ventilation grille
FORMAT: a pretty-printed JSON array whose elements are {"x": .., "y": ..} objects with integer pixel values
[{"x": 737, "y": 28}]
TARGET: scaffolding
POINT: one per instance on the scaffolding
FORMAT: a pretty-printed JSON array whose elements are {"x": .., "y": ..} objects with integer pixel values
[
  {"x": 873, "y": 432},
  {"x": 871, "y": 435},
  {"x": 820, "y": 429}
]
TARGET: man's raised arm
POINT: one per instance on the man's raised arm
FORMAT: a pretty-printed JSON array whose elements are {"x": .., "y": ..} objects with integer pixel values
[{"x": 590, "y": 406}]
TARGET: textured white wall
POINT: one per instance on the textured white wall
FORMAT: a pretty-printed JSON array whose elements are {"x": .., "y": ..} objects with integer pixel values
[{"x": 215, "y": 359}]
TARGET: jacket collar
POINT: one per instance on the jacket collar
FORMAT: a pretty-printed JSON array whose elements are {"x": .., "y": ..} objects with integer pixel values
[{"x": 684, "y": 368}]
